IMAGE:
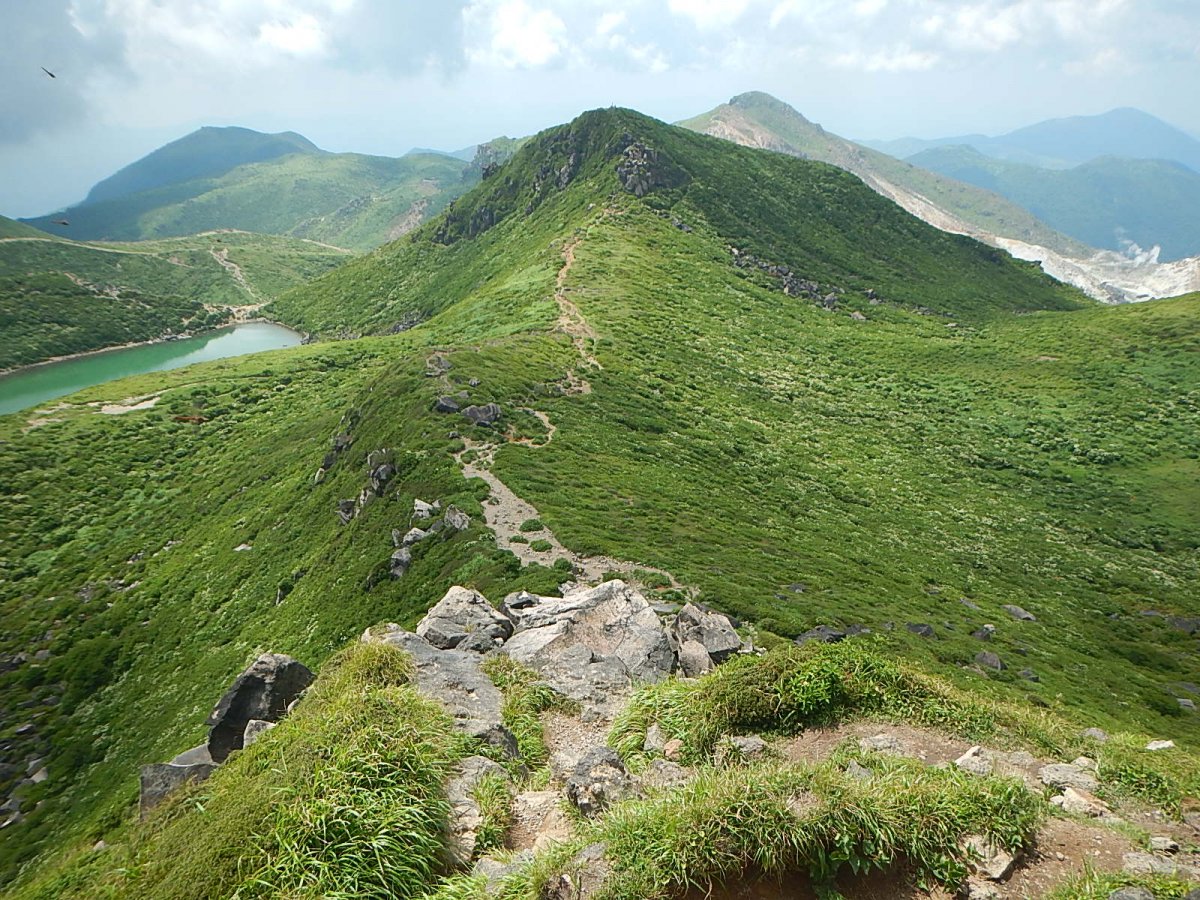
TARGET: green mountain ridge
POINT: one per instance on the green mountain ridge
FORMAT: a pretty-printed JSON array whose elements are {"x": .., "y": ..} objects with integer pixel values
[
  {"x": 854, "y": 419},
  {"x": 1106, "y": 202},
  {"x": 282, "y": 184},
  {"x": 759, "y": 120}
]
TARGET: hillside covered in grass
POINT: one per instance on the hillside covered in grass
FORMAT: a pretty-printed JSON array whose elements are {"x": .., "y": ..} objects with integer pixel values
[
  {"x": 723, "y": 373},
  {"x": 59, "y": 297},
  {"x": 1107, "y": 202},
  {"x": 220, "y": 178}
]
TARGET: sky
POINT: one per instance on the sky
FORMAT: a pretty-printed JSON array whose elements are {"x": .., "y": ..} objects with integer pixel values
[{"x": 383, "y": 76}]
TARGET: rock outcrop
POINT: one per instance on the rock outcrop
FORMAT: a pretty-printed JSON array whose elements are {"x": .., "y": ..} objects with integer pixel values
[{"x": 264, "y": 692}]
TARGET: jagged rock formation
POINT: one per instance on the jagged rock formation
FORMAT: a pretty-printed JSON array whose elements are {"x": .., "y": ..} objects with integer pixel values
[{"x": 257, "y": 699}]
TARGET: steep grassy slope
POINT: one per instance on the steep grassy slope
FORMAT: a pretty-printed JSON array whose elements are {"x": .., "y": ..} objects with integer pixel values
[
  {"x": 1106, "y": 202},
  {"x": 346, "y": 199},
  {"x": 9, "y": 228},
  {"x": 59, "y": 297},
  {"x": 759, "y": 120},
  {"x": 1062, "y": 143},
  {"x": 794, "y": 464}
]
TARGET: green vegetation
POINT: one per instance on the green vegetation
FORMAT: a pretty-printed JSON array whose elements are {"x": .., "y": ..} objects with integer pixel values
[
  {"x": 1106, "y": 202},
  {"x": 760, "y": 120},
  {"x": 525, "y": 699},
  {"x": 346, "y": 199},
  {"x": 532, "y": 525},
  {"x": 793, "y": 465},
  {"x": 59, "y": 297},
  {"x": 1099, "y": 885}
]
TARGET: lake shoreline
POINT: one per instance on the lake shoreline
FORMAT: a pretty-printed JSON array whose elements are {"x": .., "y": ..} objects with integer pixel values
[{"x": 181, "y": 336}]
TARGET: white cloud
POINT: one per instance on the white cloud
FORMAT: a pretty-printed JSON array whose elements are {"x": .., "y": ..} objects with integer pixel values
[
  {"x": 709, "y": 15},
  {"x": 301, "y": 37},
  {"x": 515, "y": 35},
  {"x": 891, "y": 59},
  {"x": 611, "y": 21}
]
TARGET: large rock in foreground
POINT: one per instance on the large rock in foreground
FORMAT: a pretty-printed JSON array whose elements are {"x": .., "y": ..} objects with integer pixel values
[
  {"x": 159, "y": 780},
  {"x": 464, "y": 620},
  {"x": 454, "y": 678},
  {"x": 263, "y": 691},
  {"x": 591, "y": 644}
]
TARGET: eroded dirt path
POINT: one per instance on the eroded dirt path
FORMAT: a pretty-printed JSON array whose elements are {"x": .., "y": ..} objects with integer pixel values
[
  {"x": 504, "y": 511},
  {"x": 239, "y": 277}
]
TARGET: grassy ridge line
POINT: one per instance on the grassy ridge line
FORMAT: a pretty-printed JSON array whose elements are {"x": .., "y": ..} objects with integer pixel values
[
  {"x": 346, "y": 199},
  {"x": 60, "y": 297}
]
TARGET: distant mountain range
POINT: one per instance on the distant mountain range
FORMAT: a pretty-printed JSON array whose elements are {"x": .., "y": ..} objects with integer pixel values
[
  {"x": 1061, "y": 143},
  {"x": 269, "y": 183},
  {"x": 1108, "y": 202}
]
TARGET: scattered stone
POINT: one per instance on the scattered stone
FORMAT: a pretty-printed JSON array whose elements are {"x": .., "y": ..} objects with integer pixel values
[
  {"x": 464, "y": 619},
  {"x": 987, "y": 858},
  {"x": 1064, "y": 775},
  {"x": 445, "y": 405},
  {"x": 1186, "y": 703},
  {"x": 346, "y": 511},
  {"x": 985, "y": 633},
  {"x": 485, "y": 416},
  {"x": 978, "y": 889},
  {"x": 1160, "y": 745},
  {"x": 262, "y": 691},
  {"x": 159, "y": 780},
  {"x": 673, "y": 749},
  {"x": 399, "y": 562},
  {"x": 598, "y": 781},
  {"x": 1029, "y": 675},
  {"x": 663, "y": 774},
  {"x": 465, "y": 814},
  {"x": 1149, "y": 864},
  {"x": 1018, "y": 613},
  {"x": 990, "y": 660},
  {"x": 969, "y": 603},
  {"x": 1084, "y": 762},
  {"x": 920, "y": 629},
  {"x": 825, "y": 634},
  {"x": 584, "y": 876},
  {"x": 1161, "y": 843},
  {"x": 710, "y": 629},
  {"x": 1131, "y": 893},
  {"x": 881, "y": 743},
  {"x": 40, "y": 775},
  {"x": 457, "y": 519},
  {"x": 1099, "y": 735},
  {"x": 255, "y": 729},
  {"x": 736, "y": 750},
  {"x": 857, "y": 771},
  {"x": 1082, "y": 803},
  {"x": 857, "y": 316},
  {"x": 975, "y": 762},
  {"x": 410, "y": 537},
  {"x": 423, "y": 510},
  {"x": 655, "y": 739}
]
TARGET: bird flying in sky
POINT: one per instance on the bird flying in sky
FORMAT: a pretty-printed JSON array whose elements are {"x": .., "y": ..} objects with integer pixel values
[{"x": 48, "y": 72}]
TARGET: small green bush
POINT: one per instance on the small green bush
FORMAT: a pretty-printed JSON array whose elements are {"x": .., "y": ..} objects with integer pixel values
[
  {"x": 532, "y": 525},
  {"x": 541, "y": 546}
]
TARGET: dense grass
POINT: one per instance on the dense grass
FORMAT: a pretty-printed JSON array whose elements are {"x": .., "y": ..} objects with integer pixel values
[
  {"x": 59, "y": 297},
  {"x": 343, "y": 798},
  {"x": 794, "y": 465}
]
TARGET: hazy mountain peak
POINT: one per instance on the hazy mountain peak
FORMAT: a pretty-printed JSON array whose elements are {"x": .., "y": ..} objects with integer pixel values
[{"x": 207, "y": 152}]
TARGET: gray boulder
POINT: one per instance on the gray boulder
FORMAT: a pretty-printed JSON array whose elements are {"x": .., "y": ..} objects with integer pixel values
[
  {"x": 985, "y": 633},
  {"x": 920, "y": 629},
  {"x": 412, "y": 536},
  {"x": 255, "y": 729},
  {"x": 694, "y": 659},
  {"x": 423, "y": 510},
  {"x": 160, "y": 780},
  {"x": 445, "y": 405},
  {"x": 740, "y": 749},
  {"x": 454, "y": 679},
  {"x": 465, "y": 620},
  {"x": 598, "y": 781},
  {"x": 1064, "y": 775},
  {"x": 486, "y": 415},
  {"x": 711, "y": 630},
  {"x": 611, "y": 620},
  {"x": 990, "y": 660},
  {"x": 400, "y": 561},
  {"x": 1131, "y": 893},
  {"x": 457, "y": 519},
  {"x": 1096, "y": 734},
  {"x": 263, "y": 691},
  {"x": 1018, "y": 613},
  {"x": 466, "y": 817}
]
